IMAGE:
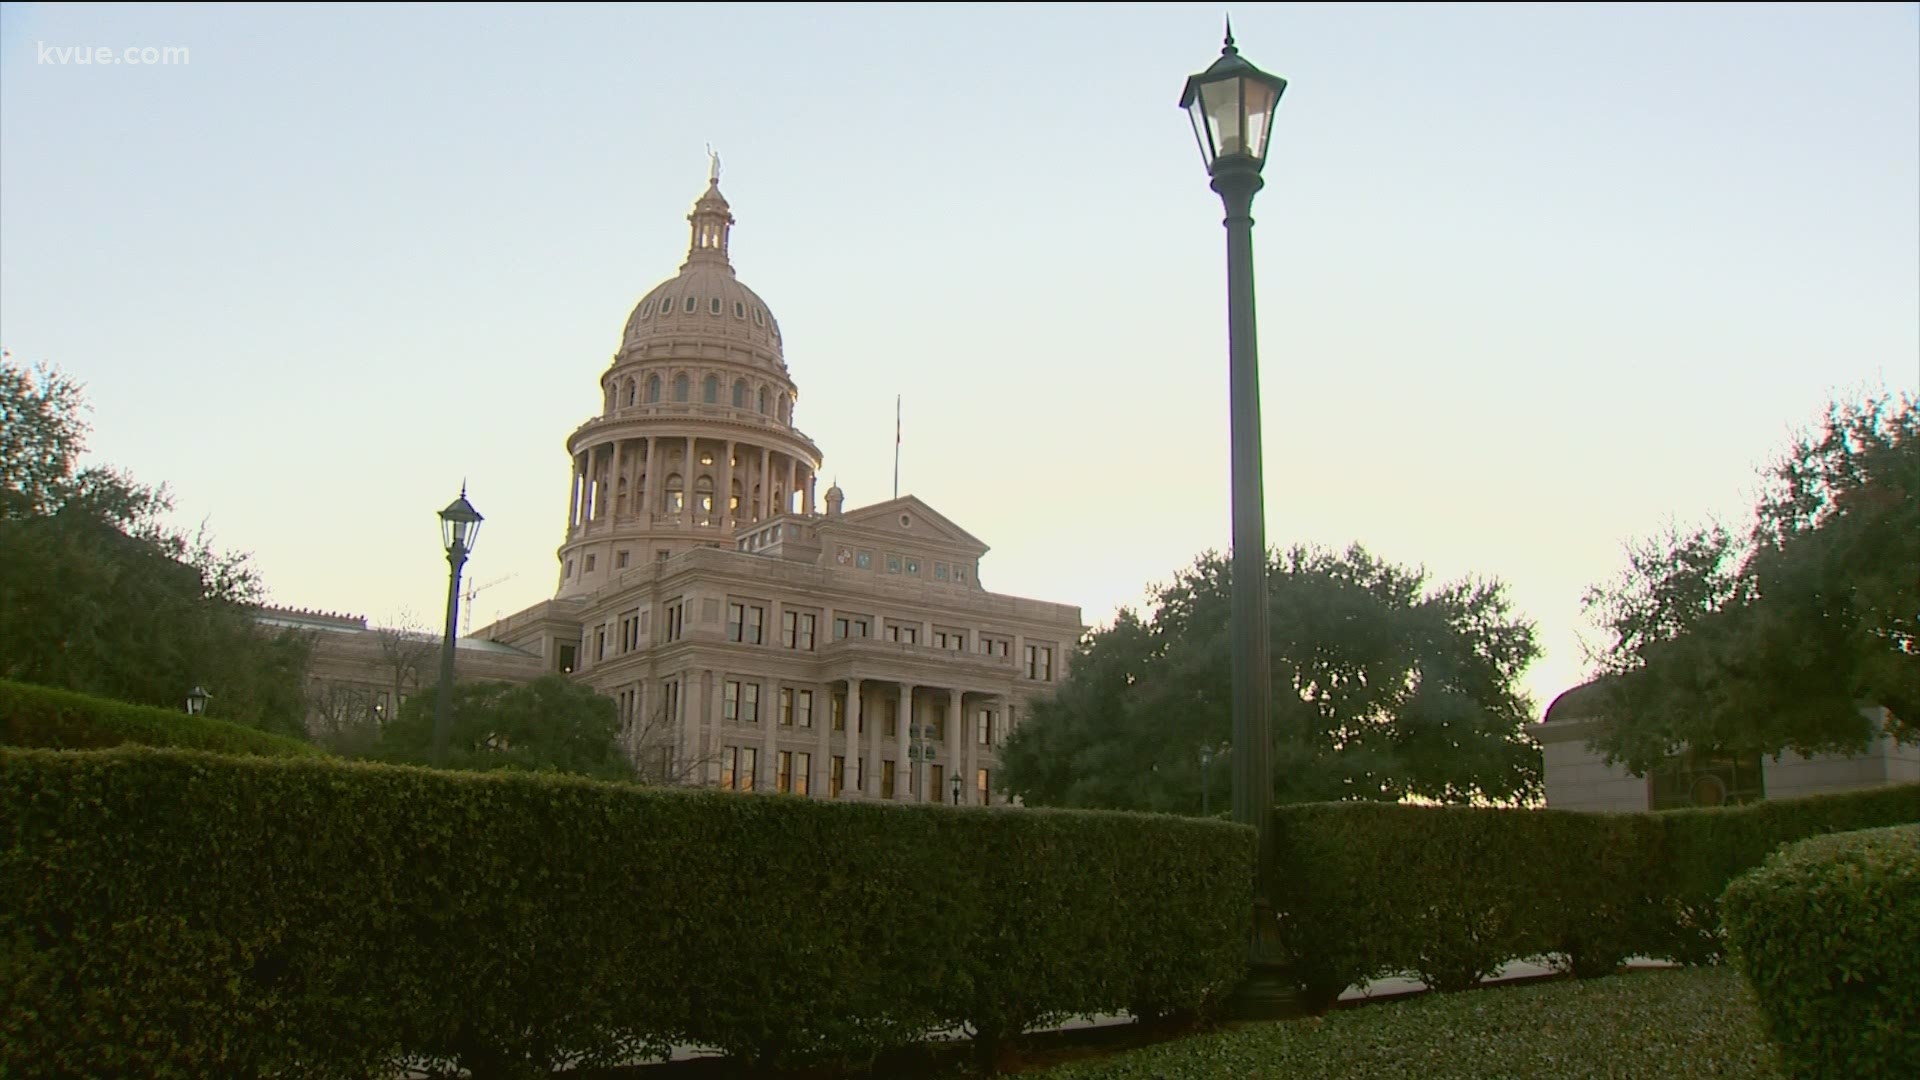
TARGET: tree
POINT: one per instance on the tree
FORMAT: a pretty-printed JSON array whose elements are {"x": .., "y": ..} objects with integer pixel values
[
  {"x": 1775, "y": 639},
  {"x": 548, "y": 724},
  {"x": 1385, "y": 688},
  {"x": 101, "y": 597}
]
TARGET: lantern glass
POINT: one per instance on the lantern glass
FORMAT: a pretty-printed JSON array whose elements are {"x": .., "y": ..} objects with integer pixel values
[
  {"x": 459, "y": 525},
  {"x": 1231, "y": 106}
]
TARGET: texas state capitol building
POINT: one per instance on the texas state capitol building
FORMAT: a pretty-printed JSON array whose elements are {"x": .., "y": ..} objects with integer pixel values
[{"x": 753, "y": 634}]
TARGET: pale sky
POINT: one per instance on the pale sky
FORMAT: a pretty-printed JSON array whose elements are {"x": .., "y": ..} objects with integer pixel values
[{"x": 1532, "y": 281}]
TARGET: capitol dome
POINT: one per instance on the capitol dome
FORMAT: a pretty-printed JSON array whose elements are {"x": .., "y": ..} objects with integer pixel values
[{"x": 705, "y": 301}]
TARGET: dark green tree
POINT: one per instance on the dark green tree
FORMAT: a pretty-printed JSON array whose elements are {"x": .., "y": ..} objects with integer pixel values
[
  {"x": 1385, "y": 688},
  {"x": 1775, "y": 639},
  {"x": 101, "y": 597},
  {"x": 548, "y": 724}
]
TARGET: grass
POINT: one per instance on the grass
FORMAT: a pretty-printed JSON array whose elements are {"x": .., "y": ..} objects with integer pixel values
[{"x": 1699, "y": 1022}]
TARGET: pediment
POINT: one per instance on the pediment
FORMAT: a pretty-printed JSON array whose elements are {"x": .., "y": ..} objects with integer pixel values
[{"x": 909, "y": 518}]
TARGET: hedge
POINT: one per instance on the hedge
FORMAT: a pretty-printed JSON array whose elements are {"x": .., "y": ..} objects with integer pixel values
[
  {"x": 1368, "y": 890},
  {"x": 170, "y": 913},
  {"x": 1827, "y": 932},
  {"x": 63, "y": 720}
]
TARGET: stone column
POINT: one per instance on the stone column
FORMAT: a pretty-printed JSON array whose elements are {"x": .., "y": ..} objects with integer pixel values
[
  {"x": 723, "y": 491},
  {"x": 573, "y": 498},
  {"x": 793, "y": 485},
  {"x": 693, "y": 748},
  {"x": 765, "y": 502},
  {"x": 955, "y": 710},
  {"x": 905, "y": 771},
  {"x": 686, "y": 486},
  {"x": 973, "y": 763},
  {"x": 823, "y": 737},
  {"x": 856, "y": 718},
  {"x": 769, "y": 720},
  {"x": 711, "y": 695},
  {"x": 651, "y": 497}
]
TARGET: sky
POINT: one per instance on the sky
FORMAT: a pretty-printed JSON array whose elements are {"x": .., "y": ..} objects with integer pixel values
[{"x": 1533, "y": 281}]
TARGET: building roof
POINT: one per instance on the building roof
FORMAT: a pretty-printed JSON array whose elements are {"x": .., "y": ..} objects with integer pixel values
[{"x": 1587, "y": 701}]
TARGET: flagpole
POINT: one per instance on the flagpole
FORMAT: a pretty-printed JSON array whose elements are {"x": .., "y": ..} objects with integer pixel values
[{"x": 896, "y": 446}]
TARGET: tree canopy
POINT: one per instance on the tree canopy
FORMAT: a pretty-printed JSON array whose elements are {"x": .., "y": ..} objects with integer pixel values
[
  {"x": 1774, "y": 638},
  {"x": 548, "y": 724},
  {"x": 101, "y": 597},
  {"x": 1385, "y": 687}
]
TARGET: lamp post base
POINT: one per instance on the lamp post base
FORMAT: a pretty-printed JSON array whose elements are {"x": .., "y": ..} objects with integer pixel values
[{"x": 1269, "y": 990}]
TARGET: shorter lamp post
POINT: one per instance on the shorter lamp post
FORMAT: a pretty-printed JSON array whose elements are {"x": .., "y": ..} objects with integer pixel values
[
  {"x": 956, "y": 789},
  {"x": 459, "y": 526},
  {"x": 197, "y": 701}
]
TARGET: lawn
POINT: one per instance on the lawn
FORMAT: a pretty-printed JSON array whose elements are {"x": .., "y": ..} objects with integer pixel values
[{"x": 1696, "y": 1022}]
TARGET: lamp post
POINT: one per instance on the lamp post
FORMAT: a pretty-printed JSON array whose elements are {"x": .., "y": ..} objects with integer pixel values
[
  {"x": 1231, "y": 105},
  {"x": 459, "y": 526},
  {"x": 197, "y": 701},
  {"x": 956, "y": 789}
]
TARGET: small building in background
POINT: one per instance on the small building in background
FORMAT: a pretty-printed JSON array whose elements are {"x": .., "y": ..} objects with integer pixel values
[{"x": 1579, "y": 778}]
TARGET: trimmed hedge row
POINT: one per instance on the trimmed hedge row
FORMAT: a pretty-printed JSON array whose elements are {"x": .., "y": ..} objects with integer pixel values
[
  {"x": 1827, "y": 933},
  {"x": 1368, "y": 890},
  {"x": 169, "y": 913},
  {"x": 63, "y": 720}
]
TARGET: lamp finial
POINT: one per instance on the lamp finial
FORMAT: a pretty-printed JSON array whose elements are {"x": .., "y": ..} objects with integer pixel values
[{"x": 1228, "y": 49}]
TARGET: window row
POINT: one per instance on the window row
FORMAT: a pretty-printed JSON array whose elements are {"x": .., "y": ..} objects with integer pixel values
[
  {"x": 621, "y": 394},
  {"x": 690, "y": 305},
  {"x": 896, "y": 563}
]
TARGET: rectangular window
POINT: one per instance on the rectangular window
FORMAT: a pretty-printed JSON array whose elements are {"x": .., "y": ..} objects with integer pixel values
[
  {"x": 590, "y": 560},
  {"x": 730, "y": 700},
  {"x": 839, "y": 712},
  {"x": 802, "y": 768},
  {"x": 783, "y": 780},
  {"x": 565, "y": 659},
  {"x": 620, "y": 560},
  {"x": 1040, "y": 662},
  {"x": 807, "y": 623},
  {"x": 983, "y": 727},
  {"x": 744, "y": 623},
  {"x": 729, "y": 761},
  {"x": 952, "y": 640},
  {"x": 750, "y": 703},
  {"x": 980, "y": 785},
  {"x": 671, "y": 703},
  {"x": 849, "y": 627},
  {"x": 750, "y": 767},
  {"x": 803, "y": 708},
  {"x": 599, "y": 643},
  {"x": 905, "y": 633},
  {"x": 886, "y": 779},
  {"x": 836, "y": 776},
  {"x": 789, "y": 628},
  {"x": 786, "y": 706},
  {"x": 674, "y": 619}
]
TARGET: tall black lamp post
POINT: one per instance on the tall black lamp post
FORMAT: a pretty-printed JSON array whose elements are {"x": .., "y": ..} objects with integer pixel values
[
  {"x": 956, "y": 789},
  {"x": 459, "y": 526},
  {"x": 1232, "y": 105}
]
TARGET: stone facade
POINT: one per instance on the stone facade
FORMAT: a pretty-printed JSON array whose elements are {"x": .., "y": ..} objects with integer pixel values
[
  {"x": 1578, "y": 778},
  {"x": 751, "y": 637}
]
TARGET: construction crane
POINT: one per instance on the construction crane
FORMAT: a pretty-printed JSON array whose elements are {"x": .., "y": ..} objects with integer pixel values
[{"x": 473, "y": 590}]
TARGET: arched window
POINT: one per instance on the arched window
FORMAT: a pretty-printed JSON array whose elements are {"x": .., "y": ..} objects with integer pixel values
[
  {"x": 692, "y": 305},
  {"x": 653, "y": 389},
  {"x": 786, "y": 408},
  {"x": 680, "y": 387},
  {"x": 666, "y": 305},
  {"x": 740, "y": 394},
  {"x": 710, "y": 390},
  {"x": 703, "y": 500},
  {"x": 676, "y": 495},
  {"x": 763, "y": 399},
  {"x": 632, "y": 389},
  {"x": 714, "y": 305}
]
